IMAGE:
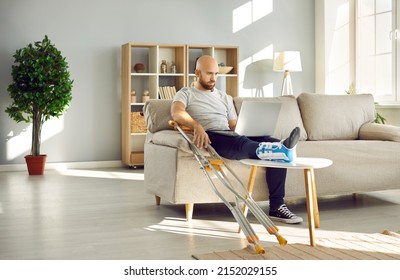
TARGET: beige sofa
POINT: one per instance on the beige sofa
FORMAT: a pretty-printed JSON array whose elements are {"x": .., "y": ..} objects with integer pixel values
[{"x": 365, "y": 155}]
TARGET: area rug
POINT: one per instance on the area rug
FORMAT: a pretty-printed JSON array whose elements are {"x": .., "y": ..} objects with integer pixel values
[{"x": 377, "y": 246}]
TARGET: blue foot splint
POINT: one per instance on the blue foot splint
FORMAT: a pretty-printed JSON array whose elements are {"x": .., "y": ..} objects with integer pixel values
[{"x": 275, "y": 151}]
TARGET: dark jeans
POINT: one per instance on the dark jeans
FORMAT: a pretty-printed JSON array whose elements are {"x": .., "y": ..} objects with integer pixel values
[{"x": 241, "y": 147}]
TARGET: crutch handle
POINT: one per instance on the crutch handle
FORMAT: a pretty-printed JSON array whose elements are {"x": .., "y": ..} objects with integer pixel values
[
  {"x": 175, "y": 124},
  {"x": 172, "y": 123}
]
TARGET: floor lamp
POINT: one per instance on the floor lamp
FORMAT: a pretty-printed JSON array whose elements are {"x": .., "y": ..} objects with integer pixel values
[{"x": 287, "y": 61}]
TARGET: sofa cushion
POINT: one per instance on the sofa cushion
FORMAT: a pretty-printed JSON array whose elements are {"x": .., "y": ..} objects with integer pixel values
[
  {"x": 157, "y": 113},
  {"x": 376, "y": 131},
  {"x": 335, "y": 117},
  {"x": 289, "y": 117}
]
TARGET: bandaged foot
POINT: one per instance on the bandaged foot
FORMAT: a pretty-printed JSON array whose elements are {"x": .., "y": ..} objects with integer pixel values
[{"x": 275, "y": 151}]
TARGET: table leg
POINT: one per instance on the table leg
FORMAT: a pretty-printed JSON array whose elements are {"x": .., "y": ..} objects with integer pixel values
[
  {"x": 308, "y": 180},
  {"x": 314, "y": 199}
]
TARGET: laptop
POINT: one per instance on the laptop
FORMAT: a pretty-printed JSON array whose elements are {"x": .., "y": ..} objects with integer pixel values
[{"x": 258, "y": 118}]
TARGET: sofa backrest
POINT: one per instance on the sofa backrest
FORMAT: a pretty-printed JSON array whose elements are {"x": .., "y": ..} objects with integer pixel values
[
  {"x": 157, "y": 114},
  {"x": 335, "y": 117},
  {"x": 319, "y": 117},
  {"x": 289, "y": 117}
]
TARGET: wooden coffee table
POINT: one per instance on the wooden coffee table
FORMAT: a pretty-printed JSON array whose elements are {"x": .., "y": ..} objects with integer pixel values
[{"x": 308, "y": 165}]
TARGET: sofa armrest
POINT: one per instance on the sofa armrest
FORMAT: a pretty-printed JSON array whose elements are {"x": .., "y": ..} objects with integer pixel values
[
  {"x": 172, "y": 139},
  {"x": 375, "y": 131},
  {"x": 169, "y": 138}
]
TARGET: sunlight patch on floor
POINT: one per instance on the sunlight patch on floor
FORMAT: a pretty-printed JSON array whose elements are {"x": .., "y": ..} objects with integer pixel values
[
  {"x": 294, "y": 235},
  {"x": 216, "y": 229},
  {"x": 207, "y": 228},
  {"x": 102, "y": 174}
]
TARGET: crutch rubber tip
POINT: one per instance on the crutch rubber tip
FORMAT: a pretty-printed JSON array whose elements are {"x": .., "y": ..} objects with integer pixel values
[
  {"x": 259, "y": 249},
  {"x": 282, "y": 241}
]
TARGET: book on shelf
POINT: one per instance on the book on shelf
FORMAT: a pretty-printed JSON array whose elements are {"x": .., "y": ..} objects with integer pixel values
[{"x": 167, "y": 92}]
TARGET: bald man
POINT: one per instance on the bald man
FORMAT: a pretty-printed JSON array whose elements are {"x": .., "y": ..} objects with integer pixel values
[{"x": 212, "y": 116}]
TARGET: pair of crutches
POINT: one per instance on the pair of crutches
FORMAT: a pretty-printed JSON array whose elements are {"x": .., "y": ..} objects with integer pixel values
[{"x": 213, "y": 165}]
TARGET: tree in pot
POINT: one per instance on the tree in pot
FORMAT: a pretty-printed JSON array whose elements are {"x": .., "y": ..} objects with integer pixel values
[{"x": 41, "y": 89}]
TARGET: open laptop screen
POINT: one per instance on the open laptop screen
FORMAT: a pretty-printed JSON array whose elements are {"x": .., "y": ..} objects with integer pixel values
[{"x": 258, "y": 118}]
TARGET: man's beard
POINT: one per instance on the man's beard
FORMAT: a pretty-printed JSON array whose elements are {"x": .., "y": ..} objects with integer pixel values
[{"x": 208, "y": 86}]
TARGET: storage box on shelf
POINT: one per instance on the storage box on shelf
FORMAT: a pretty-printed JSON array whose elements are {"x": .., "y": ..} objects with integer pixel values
[{"x": 138, "y": 125}]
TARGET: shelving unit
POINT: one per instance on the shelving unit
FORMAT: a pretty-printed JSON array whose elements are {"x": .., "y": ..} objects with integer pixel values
[
  {"x": 152, "y": 78},
  {"x": 228, "y": 55}
]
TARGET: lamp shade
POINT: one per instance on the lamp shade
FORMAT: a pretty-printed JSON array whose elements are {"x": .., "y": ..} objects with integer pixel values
[{"x": 287, "y": 61}]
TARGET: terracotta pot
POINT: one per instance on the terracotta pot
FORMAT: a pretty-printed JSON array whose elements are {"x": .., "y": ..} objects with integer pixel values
[{"x": 36, "y": 164}]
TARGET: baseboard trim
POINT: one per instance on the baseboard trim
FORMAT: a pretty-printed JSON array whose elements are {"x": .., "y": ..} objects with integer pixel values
[{"x": 65, "y": 165}]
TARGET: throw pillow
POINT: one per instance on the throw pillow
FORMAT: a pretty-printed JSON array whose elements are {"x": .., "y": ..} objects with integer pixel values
[{"x": 335, "y": 117}]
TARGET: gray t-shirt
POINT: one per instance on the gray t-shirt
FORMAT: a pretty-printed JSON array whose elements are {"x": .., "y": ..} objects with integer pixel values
[{"x": 212, "y": 110}]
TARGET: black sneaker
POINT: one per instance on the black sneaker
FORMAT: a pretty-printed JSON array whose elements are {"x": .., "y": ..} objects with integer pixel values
[
  {"x": 284, "y": 215},
  {"x": 293, "y": 138}
]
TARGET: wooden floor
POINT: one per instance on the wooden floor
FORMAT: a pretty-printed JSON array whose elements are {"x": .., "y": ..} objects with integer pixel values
[{"x": 107, "y": 214}]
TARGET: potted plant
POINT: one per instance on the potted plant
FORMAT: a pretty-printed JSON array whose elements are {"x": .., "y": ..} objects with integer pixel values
[{"x": 40, "y": 89}]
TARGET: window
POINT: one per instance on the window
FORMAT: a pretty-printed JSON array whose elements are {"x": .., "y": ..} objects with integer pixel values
[{"x": 377, "y": 38}]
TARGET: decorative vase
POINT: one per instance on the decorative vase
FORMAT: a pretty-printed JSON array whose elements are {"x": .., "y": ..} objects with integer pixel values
[
  {"x": 173, "y": 67},
  {"x": 133, "y": 96},
  {"x": 145, "y": 98},
  {"x": 139, "y": 67},
  {"x": 36, "y": 164},
  {"x": 163, "y": 66}
]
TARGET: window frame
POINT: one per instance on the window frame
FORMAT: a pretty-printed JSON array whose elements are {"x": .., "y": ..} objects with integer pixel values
[{"x": 394, "y": 97}]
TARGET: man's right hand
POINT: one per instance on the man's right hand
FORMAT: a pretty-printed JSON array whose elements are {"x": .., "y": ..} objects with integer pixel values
[
  {"x": 179, "y": 114},
  {"x": 200, "y": 137}
]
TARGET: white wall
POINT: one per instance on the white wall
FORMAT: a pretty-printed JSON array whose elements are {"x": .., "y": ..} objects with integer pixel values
[{"x": 90, "y": 33}]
